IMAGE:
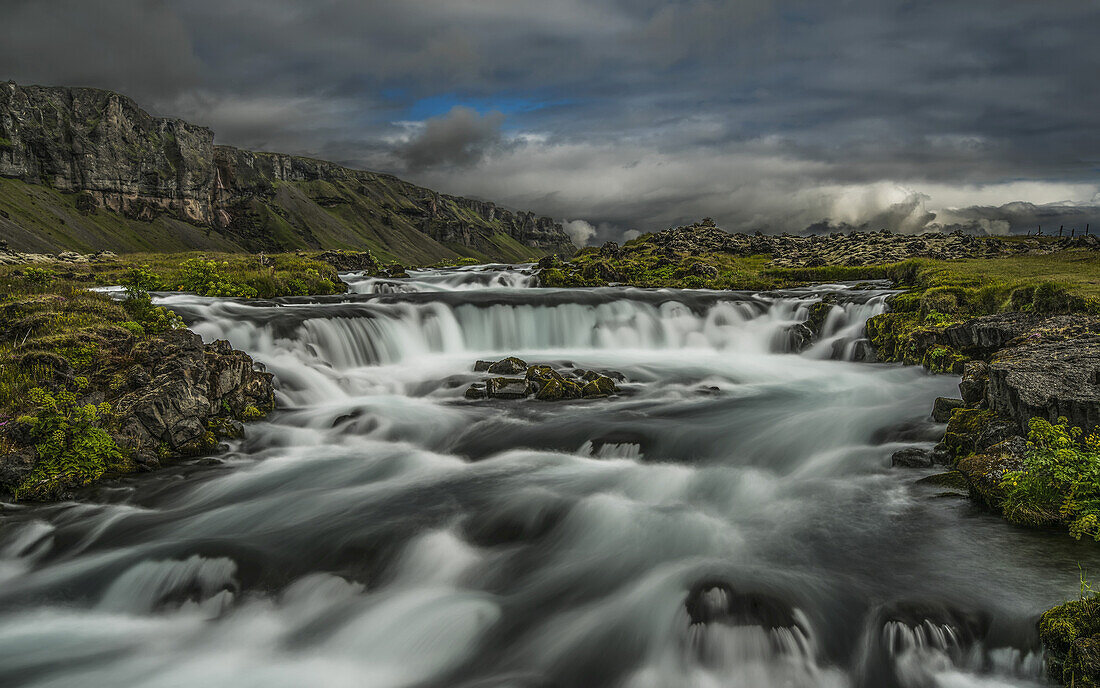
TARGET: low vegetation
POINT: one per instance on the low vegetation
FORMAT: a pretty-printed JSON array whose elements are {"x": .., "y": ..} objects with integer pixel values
[
  {"x": 220, "y": 274},
  {"x": 1071, "y": 634},
  {"x": 1060, "y": 480},
  {"x": 74, "y": 448}
]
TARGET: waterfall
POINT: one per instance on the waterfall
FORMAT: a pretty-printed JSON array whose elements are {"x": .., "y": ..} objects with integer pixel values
[{"x": 728, "y": 518}]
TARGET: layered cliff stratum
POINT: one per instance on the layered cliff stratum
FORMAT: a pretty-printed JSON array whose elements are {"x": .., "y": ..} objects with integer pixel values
[{"x": 87, "y": 169}]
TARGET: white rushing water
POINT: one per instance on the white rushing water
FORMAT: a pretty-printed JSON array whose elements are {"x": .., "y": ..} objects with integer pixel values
[{"x": 729, "y": 519}]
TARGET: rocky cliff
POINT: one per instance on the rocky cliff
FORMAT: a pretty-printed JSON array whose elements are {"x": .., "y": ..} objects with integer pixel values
[{"x": 82, "y": 167}]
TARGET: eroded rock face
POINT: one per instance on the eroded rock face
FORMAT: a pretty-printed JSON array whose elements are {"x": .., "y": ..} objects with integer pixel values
[
  {"x": 1048, "y": 379},
  {"x": 180, "y": 386}
]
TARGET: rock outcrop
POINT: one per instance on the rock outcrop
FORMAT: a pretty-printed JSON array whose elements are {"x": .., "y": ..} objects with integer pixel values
[
  {"x": 181, "y": 394},
  {"x": 171, "y": 396},
  {"x": 114, "y": 156},
  {"x": 856, "y": 248}
]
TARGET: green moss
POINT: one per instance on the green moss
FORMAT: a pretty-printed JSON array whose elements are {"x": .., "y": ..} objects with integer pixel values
[
  {"x": 963, "y": 429},
  {"x": 955, "y": 480},
  {"x": 944, "y": 359},
  {"x": 251, "y": 412},
  {"x": 1071, "y": 634}
]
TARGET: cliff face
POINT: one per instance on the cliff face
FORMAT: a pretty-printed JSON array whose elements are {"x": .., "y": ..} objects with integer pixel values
[{"x": 105, "y": 152}]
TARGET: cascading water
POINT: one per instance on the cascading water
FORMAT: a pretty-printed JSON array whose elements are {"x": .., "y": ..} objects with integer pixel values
[{"x": 729, "y": 519}]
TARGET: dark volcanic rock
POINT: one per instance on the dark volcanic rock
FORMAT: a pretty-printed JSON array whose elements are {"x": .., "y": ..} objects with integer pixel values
[
  {"x": 507, "y": 366},
  {"x": 974, "y": 382},
  {"x": 180, "y": 386},
  {"x": 1049, "y": 380},
  {"x": 507, "y": 388},
  {"x": 913, "y": 457},
  {"x": 988, "y": 333},
  {"x": 942, "y": 408}
]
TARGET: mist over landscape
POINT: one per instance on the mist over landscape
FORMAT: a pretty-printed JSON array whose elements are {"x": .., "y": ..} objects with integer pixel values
[{"x": 616, "y": 117}]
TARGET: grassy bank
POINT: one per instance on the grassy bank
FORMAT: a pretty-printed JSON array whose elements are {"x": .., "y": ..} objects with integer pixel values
[{"x": 206, "y": 273}]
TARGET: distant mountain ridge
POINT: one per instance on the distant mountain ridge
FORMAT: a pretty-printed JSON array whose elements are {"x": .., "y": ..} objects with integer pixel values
[{"x": 88, "y": 169}]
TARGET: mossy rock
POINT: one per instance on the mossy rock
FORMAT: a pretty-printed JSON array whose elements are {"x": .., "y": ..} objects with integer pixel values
[
  {"x": 1071, "y": 634},
  {"x": 944, "y": 359},
  {"x": 954, "y": 480},
  {"x": 599, "y": 387},
  {"x": 553, "y": 390},
  {"x": 963, "y": 430},
  {"x": 819, "y": 313}
]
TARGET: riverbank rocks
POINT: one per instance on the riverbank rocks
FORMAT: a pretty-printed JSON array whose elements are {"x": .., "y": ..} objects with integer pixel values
[
  {"x": 542, "y": 382},
  {"x": 181, "y": 393},
  {"x": 170, "y": 396},
  {"x": 351, "y": 261},
  {"x": 1048, "y": 379},
  {"x": 912, "y": 457},
  {"x": 943, "y": 407}
]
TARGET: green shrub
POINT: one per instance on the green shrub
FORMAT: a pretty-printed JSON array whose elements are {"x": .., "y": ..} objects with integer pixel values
[
  {"x": 140, "y": 281},
  {"x": 252, "y": 413},
  {"x": 1052, "y": 298},
  {"x": 73, "y": 446},
  {"x": 37, "y": 277},
  {"x": 149, "y": 318},
  {"x": 134, "y": 328},
  {"x": 208, "y": 278},
  {"x": 1060, "y": 481}
]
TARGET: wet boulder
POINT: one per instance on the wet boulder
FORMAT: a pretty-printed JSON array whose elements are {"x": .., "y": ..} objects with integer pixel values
[
  {"x": 476, "y": 391},
  {"x": 482, "y": 366},
  {"x": 508, "y": 366},
  {"x": 554, "y": 390},
  {"x": 716, "y": 601},
  {"x": 601, "y": 386},
  {"x": 974, "y": 382},
  {"x": 912, "y": 457},
  {"x": 507, "y": 388},
  {"x": 943, "y": 407}
]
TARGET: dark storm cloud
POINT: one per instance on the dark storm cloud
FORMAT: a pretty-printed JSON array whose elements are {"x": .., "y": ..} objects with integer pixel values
[
  {"x": 459, "y": 138},
  {"x": 141, "y": 47},
  {"x": 771, "y": 114}
]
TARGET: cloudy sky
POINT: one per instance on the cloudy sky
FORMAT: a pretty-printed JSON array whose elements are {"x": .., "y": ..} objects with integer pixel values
[{"x": 630, "y": 115}]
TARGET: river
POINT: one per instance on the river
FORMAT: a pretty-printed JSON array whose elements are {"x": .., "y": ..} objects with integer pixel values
[{"x": 730, "y": 518}]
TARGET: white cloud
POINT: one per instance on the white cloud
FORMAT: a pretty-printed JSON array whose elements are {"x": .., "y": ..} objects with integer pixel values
[{"x": 579, "y": 231}]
